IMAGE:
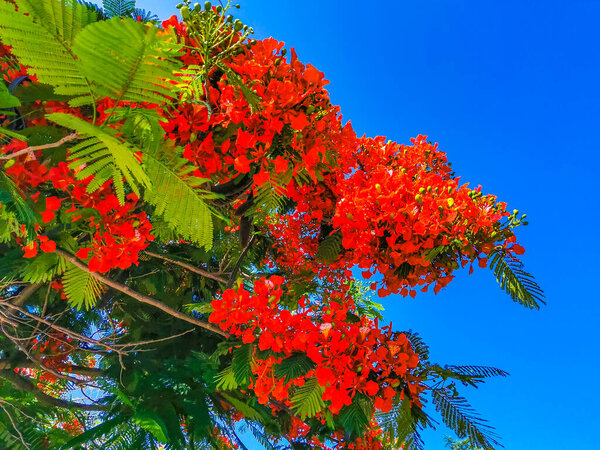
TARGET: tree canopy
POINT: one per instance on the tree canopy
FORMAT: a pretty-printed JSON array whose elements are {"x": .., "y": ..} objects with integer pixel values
[{"x": 184, "y": 216}]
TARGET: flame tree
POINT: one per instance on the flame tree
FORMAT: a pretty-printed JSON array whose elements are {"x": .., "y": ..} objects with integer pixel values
[{"x": 181, "y": 209}]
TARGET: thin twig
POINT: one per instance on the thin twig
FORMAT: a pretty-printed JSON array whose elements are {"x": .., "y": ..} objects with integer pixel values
[
  {"x": 191, "y": 268},
  {"x": 70, "y": 137},
  {"x": 13, "y": 424},
  {"x": 25, "y": 385},
  {"x": 239, "y": 263},
  {"x": 138, "y": 296}
]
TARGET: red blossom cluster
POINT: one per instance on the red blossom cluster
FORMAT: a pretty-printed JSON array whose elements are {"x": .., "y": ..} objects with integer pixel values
[
  {"x": 400, "y": 211},
  {"x": 238, "y": 137},
  {"x": 350, "y": 356}
]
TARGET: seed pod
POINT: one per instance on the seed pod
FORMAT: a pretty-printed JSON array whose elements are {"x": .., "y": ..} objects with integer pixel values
[
  {"x": 450, "y": 202},
  {"x": 207, "y": 6},
  {"x": 378, "y": 187},
  {"x": 422, "y": 190},
  {"x": 185, "y": 13}
]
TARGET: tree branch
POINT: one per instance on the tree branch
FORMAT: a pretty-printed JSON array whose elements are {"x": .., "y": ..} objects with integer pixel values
[
  {"x": 189, "y": 267},
  {"x": 26, "y": 293},
  {"x": 70, "y": 137},
  {"x": 139, "y": 297},
  {"x": 25, "y": 385},
  {"x": 76, "y": 370}
]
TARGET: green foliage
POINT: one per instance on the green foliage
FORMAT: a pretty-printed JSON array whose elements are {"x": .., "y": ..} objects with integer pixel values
[
  {"x": 142, "y": 69},
  {"x": 269, "y": 197},
  {"x": 7, "y": 100},
  {"x": 242, "y": 363},
  {"x": 225, "y": 380},
  {"x": 15, "y": 211},
  {"x": 330, "y": 248},
  {"x": 81, "y": 288},
  {"x": 104, "y": 155},
  {"x": 355, "y": 418},
  {"x": 96, "y": 432},
  {"x": 118, "y": 8},
  {"x": 402, "y": 425},
  {"x": 517, "y": 283},
  {"x": 294, "y": 366},
  {"x": 458, "y": 415},
  {"x": 307, "y": 399},
  {"x": 153, "y": 423},
  {"x": 179, "y": 201},
  {"x": 43, "y": 40},
  {"x": 44, "y": 268}
]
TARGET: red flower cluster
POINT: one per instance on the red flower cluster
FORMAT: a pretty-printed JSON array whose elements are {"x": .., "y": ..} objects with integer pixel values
[
  {"x": 350, "y": 356},
  {"x": 400, "y": 211},
  {"x": 293, "y": 118}
]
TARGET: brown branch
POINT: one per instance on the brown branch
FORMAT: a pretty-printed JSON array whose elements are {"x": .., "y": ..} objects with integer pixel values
[
  {"x": 25, "y": 385},
  {"x": 70, "y": 137},
  {"x": 76, "y": 370},
  {"x": 26, "y": 293},
  {"x": 138, "y": 296},
  {"x": 64, "y": 330},
  {"x": 189, "y": 267},
  {"x": 14, "y": 425}
]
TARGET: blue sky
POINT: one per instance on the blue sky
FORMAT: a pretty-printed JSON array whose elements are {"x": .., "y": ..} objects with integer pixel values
[{"x": 510, "y": 91}]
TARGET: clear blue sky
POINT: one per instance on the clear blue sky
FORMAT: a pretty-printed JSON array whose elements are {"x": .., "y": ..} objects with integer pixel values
[{"x": 511, "y": 92}]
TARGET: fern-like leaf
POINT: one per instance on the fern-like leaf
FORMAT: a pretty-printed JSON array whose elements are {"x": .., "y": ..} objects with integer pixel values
[
  {"x": 478, "y": 371},
  {"x": 355, "y": 418},
  {"x": 293, "y": 367},
  {"x": 178, "y": 201},
  {"x": 517, "y": 283},
  {"x": 330, "y": 248},
  {"x": 225, "y": 379},
  {"x": 43, "y": 40},
  {"x": 14, "y": 204},
  {"x": 104, "y": 155},
  {"x": 308, "y": 399},
  {"x": 44, "y": 268},
  {"x": 242, "y": 364},
  {"x": 418, "y": 345},
  {"x": 81, "y": 288},
  {"x": 269, "y": 197},
  {"x": 142, "y": 68},
  {"x": 118, "y": 8},
  {"x": 144, "y": 15},
  {"x": 458, "y": 415}
]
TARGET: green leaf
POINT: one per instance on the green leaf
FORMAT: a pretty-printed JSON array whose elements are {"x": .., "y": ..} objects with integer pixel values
[
  {"x": 517, "y": 283},
  {"x": 81, "y": 288},
  {"x": 141, "y": 70},
  {"x": 225, "y": 379},
  {"x": 7, "y": 100},
  {"x": 458, "y": 415},
  {"x": 294, "y": 366},
  {"x": 104, "y": 155},
  {"x": 118, "y": 8},
  {"x": 12, "y": 134},
  {"x": 13, "y": 202},
  {"x": 330, "y": 248},
  {"x": 44, "y": 268},
  {"x": 43, "y": 39},
  {"x": 95, "y": 433},
  {"x": 308, "y": 399},
  {"x": 178, "y": 201},
  {"x": 355, "y": 418},
  {"x": 248, "y": 411},
  {"x": 242, "y": 364},
  {"x": 153, "y": 423}
]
